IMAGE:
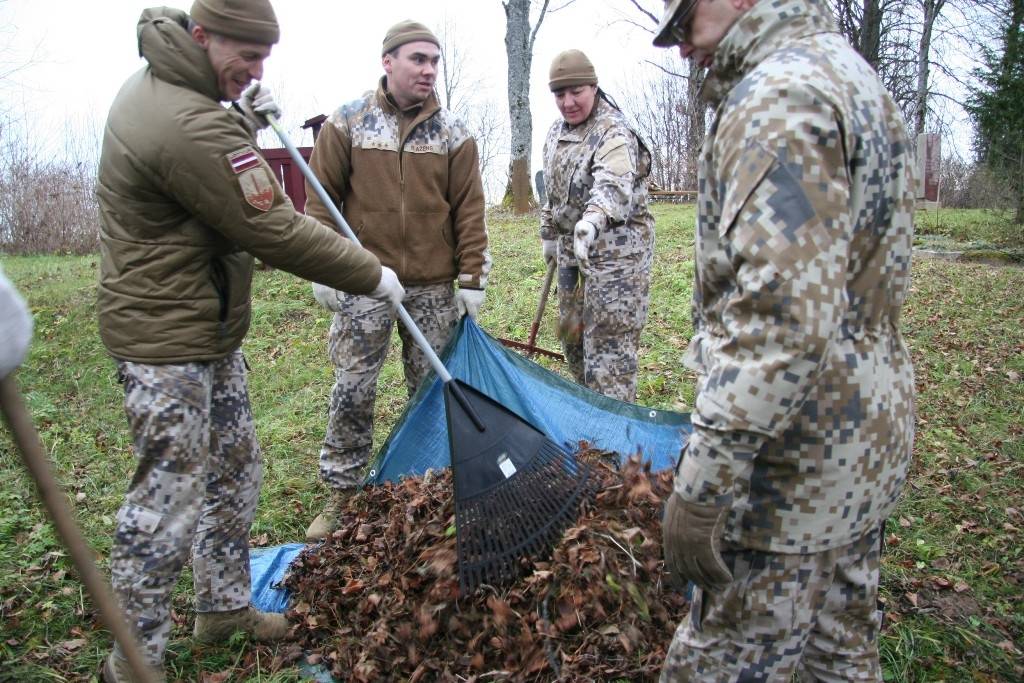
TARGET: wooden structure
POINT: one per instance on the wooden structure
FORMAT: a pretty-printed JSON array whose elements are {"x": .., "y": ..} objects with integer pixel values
[
  {"x": 288, "y": 174},
  {"x": 675, "y": 196}
]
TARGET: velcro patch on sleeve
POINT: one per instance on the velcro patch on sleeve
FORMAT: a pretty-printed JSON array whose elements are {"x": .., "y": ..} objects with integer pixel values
[
  {"x": 243, "y": 159},
  {"x": 615, "y": 155}
]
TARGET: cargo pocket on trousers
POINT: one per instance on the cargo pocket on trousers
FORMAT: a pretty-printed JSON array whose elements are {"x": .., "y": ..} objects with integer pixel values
[
  {"x": 696, "y": 636},
  {"x": 134, "y": 521}
]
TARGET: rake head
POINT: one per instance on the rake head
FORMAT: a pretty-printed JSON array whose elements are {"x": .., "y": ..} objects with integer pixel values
[{"x": 515, "y": 490}]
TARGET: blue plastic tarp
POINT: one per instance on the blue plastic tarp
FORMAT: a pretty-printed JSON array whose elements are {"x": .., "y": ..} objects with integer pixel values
[
  {"x": 268, "y": 567},
  {"x": 566, "y": 412}
]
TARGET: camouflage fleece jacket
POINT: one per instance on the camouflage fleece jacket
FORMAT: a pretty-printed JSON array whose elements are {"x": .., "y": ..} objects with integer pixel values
[
  {"x": 596, "y": 170},
  {"x": 804, "y": 415},
  {"x": 408, "y": 184}
]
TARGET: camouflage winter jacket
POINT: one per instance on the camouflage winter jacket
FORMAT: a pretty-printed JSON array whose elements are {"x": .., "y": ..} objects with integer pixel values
[
  {"x": 804, "y": 415},
  {"x": 596, "y": 170},
  {"x": 408, "y": 184},
  {"x": 185, "y": 200}
]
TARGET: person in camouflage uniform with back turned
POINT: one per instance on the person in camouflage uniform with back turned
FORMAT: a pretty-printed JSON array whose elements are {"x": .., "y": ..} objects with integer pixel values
[
  {"x": 185, "y": 202},
  {"x": 595, "y": 224},
  {"x": 804, "y": 416},
  {"x": 405, "y": 174}
]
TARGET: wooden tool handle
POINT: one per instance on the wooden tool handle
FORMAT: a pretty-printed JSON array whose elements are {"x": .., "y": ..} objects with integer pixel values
[
  {"x": 34, "y": 457},
  {"x": 545, "y": 290}
]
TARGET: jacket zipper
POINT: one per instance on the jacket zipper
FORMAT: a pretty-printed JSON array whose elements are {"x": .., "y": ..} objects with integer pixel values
[{"x": 401, "y": 181}]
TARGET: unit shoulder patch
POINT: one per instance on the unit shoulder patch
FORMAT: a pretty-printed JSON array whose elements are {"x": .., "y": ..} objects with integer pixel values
[{"x": 257, "y": 188}]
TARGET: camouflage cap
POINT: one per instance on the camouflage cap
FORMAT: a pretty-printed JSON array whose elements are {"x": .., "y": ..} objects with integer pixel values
[
  {"x": 668, "y": 32},
  {"x": 571, "y": 68},
  {"x": 407, "y": 31},
  {"x": 252, "y": 21}
]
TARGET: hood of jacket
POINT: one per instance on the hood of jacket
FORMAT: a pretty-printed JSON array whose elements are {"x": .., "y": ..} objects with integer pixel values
[
  {"x": 173, "y": 55},
  {"x": 765, "y": 28}
]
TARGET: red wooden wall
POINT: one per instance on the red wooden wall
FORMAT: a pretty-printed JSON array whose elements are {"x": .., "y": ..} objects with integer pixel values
[{"x": 288, "y": 174}]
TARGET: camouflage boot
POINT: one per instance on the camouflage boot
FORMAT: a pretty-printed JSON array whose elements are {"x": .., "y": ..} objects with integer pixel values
[
  {"x": 213, "y": 627},
  {"x": 116, "y": 670},
  {"x": 328, "y": 521}
]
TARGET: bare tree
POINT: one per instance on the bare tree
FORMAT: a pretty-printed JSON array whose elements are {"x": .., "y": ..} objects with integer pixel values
[
  {"x": 463, "y": 92},
  {"x": 519, "y": 40},
  {"x": 457, "y": 84},
  {"x": 667, "y": 108},
  {"x": 486, "y": 122},
  {"x": 667, "y": 113}
]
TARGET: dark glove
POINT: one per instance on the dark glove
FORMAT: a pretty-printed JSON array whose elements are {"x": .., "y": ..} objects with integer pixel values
[{"x": 691, "y": 535}]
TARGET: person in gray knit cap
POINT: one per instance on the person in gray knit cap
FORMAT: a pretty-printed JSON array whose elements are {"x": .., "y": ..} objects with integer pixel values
[
  {"x": 596, "y": 226},
  {"x": 186, "y": 203},
  {"x": 405, "y": 174}
]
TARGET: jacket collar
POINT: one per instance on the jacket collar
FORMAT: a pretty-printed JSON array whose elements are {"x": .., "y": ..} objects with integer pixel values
[
  {"x": 387, "y": 102},
  {"x": 172, "y": 54},
  {"x": 765, "y": 28}
]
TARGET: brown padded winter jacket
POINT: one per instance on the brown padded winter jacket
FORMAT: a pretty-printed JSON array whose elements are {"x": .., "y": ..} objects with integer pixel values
[
  {"x": 185, "y": 202},
  {"x": 408, "y": 184}
]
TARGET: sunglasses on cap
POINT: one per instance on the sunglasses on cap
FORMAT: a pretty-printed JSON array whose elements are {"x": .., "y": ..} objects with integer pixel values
[{"x": 674, "y": 33}]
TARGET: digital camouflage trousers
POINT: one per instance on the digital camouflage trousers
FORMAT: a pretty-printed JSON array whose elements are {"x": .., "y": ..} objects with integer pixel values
[
  {"x": 812, "y": 615},
  {"x": 358, "y": 345},
  {"x": 194, "y": 492}
]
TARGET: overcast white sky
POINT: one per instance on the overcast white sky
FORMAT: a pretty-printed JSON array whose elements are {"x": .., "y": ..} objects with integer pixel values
[
  {"x": 81, "y": 52},
  {"x": 78, "y": 53}
]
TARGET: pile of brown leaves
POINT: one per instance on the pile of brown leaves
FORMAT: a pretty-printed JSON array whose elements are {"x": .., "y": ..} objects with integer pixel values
[{"x": 380, "y": 599}]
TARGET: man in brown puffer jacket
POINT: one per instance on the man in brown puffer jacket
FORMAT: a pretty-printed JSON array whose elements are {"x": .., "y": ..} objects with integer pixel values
[{"x": 186, "y": 201}]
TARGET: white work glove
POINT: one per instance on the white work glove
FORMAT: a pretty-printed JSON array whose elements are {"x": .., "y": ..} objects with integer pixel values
[
  {"x": 549, "y": 248},
  {"x": 468, "y": 301},
  {"x": 582, "y": 237},
  {"x": 256, "y": 102},
  {"x": 327, "y": 297},
  {"x": 389, "y": 288}
]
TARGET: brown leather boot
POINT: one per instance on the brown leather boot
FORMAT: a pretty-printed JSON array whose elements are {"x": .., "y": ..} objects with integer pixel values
[
  {"x": 328, "y": 521},
  {"x": 213, "y": 627},
  {"x": 116, "y": 670}
]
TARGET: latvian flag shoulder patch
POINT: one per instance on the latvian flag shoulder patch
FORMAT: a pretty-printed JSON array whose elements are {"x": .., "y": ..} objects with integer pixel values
[{"x": 243, "y": 159}]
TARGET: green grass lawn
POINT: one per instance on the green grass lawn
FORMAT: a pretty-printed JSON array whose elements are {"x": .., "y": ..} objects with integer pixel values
[{"x": 953, "y": 575}]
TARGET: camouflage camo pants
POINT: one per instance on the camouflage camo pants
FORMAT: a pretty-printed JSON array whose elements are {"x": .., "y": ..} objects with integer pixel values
[
  {"x": 812, "y": 615},
  {"x": 358, "y": 345},
  {"x": 195, "y": 488},
  {"x": 602, "y": 310}
]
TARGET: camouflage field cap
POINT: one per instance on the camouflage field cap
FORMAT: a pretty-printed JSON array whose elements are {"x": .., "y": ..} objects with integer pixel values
[
  {"x": 571, "y": 68},
  {"x": 669, "y": 31},
  {"x": 407, "y": 31},
  {"x": 251, "y": 21}
]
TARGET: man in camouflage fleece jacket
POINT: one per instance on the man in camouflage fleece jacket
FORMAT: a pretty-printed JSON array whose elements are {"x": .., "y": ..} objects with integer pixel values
[
  {"x": 405, "y": 174},
  {"x": 804, "y": 416}
]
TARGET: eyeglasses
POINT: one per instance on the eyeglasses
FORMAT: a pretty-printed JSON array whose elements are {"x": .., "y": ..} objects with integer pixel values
[{"x": 678, "y": 30}]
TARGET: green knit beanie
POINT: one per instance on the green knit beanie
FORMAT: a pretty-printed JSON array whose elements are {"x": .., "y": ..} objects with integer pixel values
[
  {"x": 571, "y": 68},
  {"x": 251, "y": 21},
  {"x": 407, "y": 31}
]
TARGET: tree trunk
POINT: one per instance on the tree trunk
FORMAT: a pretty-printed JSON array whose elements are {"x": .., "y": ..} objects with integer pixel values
[
  {"x": 870, "y": 42},
  {"x": 697, "y": 129},
  {"x": 519, "y": 48},
  {"x": 929, "y": 13}
]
